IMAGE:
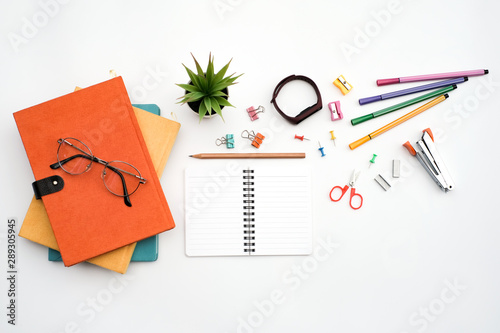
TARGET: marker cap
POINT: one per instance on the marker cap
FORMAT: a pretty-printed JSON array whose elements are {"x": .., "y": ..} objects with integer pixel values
[
  {"x": 367, "y": 100},
  {"x": 383, "y": 82},
  {"x": 361, "y": 119}
]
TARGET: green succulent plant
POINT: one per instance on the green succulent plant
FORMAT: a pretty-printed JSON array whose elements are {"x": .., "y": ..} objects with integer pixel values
[{"x": 208, "y": 87}]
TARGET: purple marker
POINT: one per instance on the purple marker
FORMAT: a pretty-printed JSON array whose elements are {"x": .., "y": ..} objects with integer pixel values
[
  {"x": 408, "y": 91},
  {"x": 427, "y": 77}
]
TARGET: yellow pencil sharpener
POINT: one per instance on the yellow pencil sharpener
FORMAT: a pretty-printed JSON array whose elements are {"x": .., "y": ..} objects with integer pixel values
[{"x": 342, "y": 84}]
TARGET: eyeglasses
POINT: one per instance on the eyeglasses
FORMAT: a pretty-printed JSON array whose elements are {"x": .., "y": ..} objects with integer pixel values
[{"x": 120, "y": 178}]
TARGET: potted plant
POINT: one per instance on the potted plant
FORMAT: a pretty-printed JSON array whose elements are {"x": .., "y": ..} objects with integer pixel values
[{"x": 207, "y": 93}]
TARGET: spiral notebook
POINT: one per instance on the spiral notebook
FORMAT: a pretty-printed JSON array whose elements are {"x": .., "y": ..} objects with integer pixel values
[{"x": 250, "y": 211}]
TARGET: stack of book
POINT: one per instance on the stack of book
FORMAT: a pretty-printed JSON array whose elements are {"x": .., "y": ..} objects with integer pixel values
[{"x": 84, "y": 208}]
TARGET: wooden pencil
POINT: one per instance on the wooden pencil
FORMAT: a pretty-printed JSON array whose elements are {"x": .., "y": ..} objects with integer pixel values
[{"x": 248, "y": 155}]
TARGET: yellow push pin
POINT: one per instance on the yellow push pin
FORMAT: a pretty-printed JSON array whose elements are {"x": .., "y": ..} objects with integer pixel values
[{"x": 333, "y": 138}]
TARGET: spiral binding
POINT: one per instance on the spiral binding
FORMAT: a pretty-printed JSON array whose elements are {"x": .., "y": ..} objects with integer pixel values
[{"x": 248, "y": 213}]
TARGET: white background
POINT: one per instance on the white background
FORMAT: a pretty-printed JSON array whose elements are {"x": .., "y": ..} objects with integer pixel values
[{"x": 412, "y": 259}]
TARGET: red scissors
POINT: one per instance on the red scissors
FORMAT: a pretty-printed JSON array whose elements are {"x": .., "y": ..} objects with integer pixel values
[{"x": 352, "y": 181}]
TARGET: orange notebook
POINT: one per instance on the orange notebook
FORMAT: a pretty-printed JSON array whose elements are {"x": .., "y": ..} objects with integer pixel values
[
  {"x": 160, "y": 134},
  {"x": 88, "y": 220}
]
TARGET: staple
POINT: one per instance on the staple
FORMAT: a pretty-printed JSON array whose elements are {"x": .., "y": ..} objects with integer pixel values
[
  {"x": 396, "y": 167},
  {"x": 382, "y": 182}
]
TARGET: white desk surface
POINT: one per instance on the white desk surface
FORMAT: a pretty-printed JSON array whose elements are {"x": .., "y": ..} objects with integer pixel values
[{"x": 412, "y": 259}]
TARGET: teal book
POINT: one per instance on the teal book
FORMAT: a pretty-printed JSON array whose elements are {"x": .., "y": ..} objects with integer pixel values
[
  {"x": 146, "y": 249},
  {"x": 153, "y": 108}
]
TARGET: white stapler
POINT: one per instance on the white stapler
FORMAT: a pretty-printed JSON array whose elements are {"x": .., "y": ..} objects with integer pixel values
[{"x": 430, "y": 159}]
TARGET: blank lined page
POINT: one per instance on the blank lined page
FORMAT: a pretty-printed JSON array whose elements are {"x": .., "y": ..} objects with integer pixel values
[
  {"x": 214, "y": 213},
  {"x": 283, "y": 217},
  {"x": 265, "y": 211}
]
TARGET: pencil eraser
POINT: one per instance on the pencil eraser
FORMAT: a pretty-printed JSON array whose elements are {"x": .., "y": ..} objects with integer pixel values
[
  {"x": 383, "y": 82},
  {"x": 367, "y": 100}
]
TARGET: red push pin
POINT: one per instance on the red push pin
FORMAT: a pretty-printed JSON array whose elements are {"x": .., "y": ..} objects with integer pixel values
[{"x": 301, "y": 138}]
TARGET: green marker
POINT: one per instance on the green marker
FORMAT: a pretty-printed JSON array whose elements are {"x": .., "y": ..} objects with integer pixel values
[{"x": 399, "y": 106}]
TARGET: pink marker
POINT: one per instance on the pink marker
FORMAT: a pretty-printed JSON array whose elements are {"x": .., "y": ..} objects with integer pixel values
[{"x": 427, "y": 77}]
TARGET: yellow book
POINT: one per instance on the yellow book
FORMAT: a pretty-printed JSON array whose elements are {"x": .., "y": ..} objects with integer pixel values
[{"x": 159, "y": 134}]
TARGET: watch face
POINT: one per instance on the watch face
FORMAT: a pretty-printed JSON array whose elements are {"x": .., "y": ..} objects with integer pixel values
[{"x": 307, "y": 111}]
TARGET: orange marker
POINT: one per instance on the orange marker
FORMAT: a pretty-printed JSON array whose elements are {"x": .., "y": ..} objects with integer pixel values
[{"x": 398, "y": 121}]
